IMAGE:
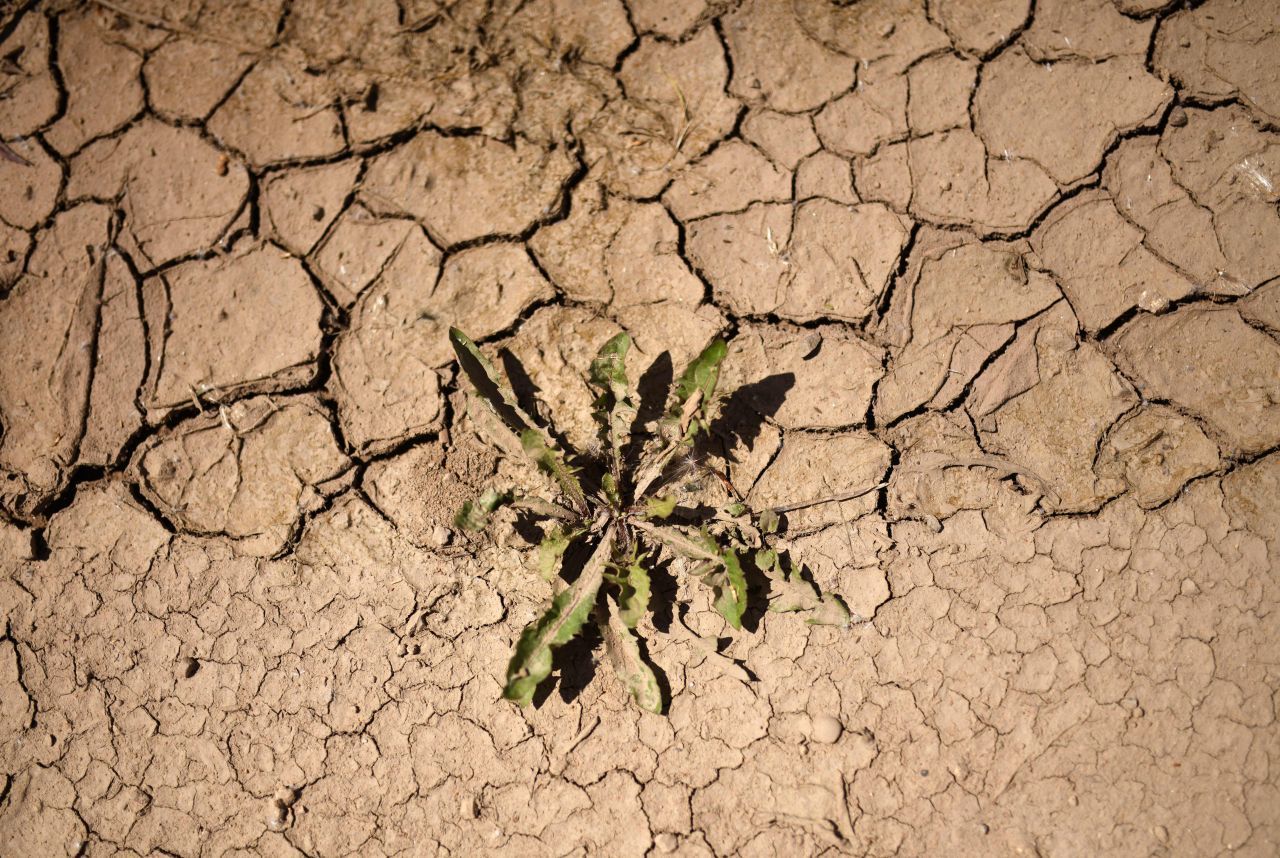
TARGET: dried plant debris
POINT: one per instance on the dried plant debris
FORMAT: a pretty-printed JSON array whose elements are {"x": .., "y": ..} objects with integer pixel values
[{"x": 627, "y": 510}]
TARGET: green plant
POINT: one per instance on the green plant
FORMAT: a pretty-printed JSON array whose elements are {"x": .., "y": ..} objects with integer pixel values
[{"x": 623, "y": 514}]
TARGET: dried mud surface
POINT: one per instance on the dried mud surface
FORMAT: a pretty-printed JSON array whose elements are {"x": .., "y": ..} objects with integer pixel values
[{"x": 1019, "y": 261}]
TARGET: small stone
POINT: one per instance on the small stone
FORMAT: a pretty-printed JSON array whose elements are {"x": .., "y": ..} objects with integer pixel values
[
  {"x": 1178, "y": 117},
  {"x": 826, "y": 729},
  {"x": 666, "y": 842},
  {"x": 1189, "y": 587},
  {"x": 277, "y": 815},
  {"x": 1161, "y": 833}
]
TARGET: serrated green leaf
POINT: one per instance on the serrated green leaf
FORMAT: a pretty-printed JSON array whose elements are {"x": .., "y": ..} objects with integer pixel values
[
  {"x": 768, "y": 521},
  {"x": 628, "y": 664},
  {"x": 634, "y": 591},
  {"x": 610, "y": 487},
  {"x": 614, "y": 408},
  {"x": 657, "y": 508},
  {"x": 686, "y": 407},
  {"x": 474, "y": 515},
  {"x": 728, "y": 581},
  {"x": 550, "y": 463},
  {"x": 789, "y": 592},
  {"x": 493, "y": 389},
  {"x": 609, "y": 369},
  {"x": 531, "y": 661},
  {"x": 700, "y": 376},
  {"x": 552, "y": 548},
  {"x": 730, "y": 588}
]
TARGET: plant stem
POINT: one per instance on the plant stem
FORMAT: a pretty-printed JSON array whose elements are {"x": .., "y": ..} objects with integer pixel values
[{"x": 850, "y": 495}]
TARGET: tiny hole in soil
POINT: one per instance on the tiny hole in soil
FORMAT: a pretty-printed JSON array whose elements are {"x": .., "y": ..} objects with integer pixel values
[{"x": 39, "y": 545}]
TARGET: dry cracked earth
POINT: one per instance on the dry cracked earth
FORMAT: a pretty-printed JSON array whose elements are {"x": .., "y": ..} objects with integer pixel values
[{"x": 1020, "y": 261}]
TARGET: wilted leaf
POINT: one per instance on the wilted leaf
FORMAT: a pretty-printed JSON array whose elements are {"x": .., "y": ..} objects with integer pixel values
[
  {"x": 832, "y": 612},
  {"x": 531, "y": 662},
  {"x": 609, "y": 369},
  {"x": 697, "y": 546},
  {"x": 655, "y": 508},
  {"x": 624, "y": 655},
  {"x": 552, "y": 548},
  {"x": 768, "y": 521},
  {"x": 474, "y": 515},
  {"x": 550, "y": 463}
]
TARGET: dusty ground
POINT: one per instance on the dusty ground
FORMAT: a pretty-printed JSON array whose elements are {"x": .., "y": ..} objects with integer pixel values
[{"x": 1021, "y": 263}]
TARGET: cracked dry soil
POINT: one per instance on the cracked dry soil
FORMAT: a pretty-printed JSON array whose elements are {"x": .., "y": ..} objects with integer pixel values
[{"x": 1018, "y": 260}]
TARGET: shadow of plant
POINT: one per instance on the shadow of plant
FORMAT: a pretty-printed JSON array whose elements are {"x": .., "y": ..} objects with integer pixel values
[{"x": 623, "y": 523}]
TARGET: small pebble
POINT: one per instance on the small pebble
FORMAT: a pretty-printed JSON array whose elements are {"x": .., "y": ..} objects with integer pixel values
[
  {"x": 812, "y": 343},
  {"x": 666, "y": 842},
  {"x": 1178, "y": 117},
  {"x": 826, "y": 729},
  {"x": 1189, "y": 587},
  {"x": 277, "y": 815},
  {"x": 1161, "y": 833}
]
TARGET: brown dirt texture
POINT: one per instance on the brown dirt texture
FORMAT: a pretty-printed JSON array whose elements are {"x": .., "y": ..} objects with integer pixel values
[{"x": 1017, "y": 260}]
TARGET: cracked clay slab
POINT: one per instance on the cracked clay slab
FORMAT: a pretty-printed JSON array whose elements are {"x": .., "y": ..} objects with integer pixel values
[
  {"x": 963, "y": 306},
  {"x": 1208, "y": 361},
  {"x": 69, "y": 339},
  {"x": 464, "y": 188},
  {"x": 818, "y": 260},
  {"x": 179, "y": 193},
  {"x": 388, "y": 365},
  {"x": 229, "y": 325},
  {"x": 249, "y": 471},
  {"x": 818, "y": 378}
]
